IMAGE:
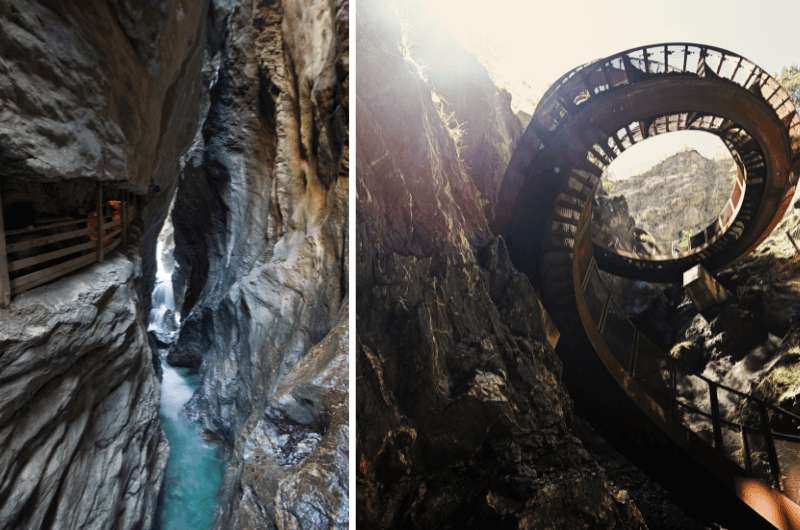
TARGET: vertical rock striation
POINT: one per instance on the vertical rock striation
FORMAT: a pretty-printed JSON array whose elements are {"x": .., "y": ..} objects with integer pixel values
[
  {"x": 463, "y": 419},
  {"x": 260, "y": 223},
  {"x": 96, "y": 91}
]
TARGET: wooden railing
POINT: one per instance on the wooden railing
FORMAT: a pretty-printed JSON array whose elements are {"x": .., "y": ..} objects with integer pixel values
[{"x": 35, "y": 255}]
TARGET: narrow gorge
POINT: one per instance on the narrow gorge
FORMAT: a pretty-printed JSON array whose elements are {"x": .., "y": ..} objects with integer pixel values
[
  {"x": 173, "y": 319},
  {"x": 483, "y": 398}
]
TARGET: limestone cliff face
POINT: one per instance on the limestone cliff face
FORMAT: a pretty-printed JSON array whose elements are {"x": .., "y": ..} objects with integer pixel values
[
  {"x": 81, "y": 444},
  {"x": 678, "y": 196},
  {"x": 462, "y": 417},
  {"x": 260, "y": 223},
  {"x": 97, "y": 90},
  {"x": 473, "y": 109}
]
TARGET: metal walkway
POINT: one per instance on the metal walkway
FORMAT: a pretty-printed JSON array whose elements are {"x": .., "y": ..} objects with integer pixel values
[{"x": 585, "y": 120}]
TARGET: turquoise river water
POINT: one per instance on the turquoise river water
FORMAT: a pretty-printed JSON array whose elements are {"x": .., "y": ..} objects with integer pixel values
[
  {"x": 189, "y": 496},
  {"x": 194, "y": 468}
]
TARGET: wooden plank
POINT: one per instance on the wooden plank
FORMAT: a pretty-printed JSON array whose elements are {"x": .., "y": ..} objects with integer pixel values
[
  {"x": 24, "y": 263},
  {"x": 32, "y": 229},
  {"x": 100, "y": 221},
  {"x": 34, "y": 279},
  {"x": 5, "y": 284},
  {"x": 113, "y": 246},
  {"x": 111, "y": 236},
  {"x": 46, "y": 240},
  {"x": 111, "y": 224}
]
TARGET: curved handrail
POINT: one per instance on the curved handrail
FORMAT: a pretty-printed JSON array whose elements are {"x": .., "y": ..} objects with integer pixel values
[
  {"x": 660, "y": 397},
  {"x": 760, "y": 174},
  {"x": 743, "y": 64},
  {"x": 560, "y": 256}
]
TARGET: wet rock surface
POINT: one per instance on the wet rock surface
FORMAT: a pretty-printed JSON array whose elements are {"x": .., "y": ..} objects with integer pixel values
[
  {"x": 295, "y": 452},
  {"x": 261, "y": 237},
  {"x": 79, "y": 406},
  {"x": 463, "y": 419}
]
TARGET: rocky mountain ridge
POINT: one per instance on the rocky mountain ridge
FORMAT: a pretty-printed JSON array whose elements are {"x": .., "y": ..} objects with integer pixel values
[{"x": 678, "y": 196}]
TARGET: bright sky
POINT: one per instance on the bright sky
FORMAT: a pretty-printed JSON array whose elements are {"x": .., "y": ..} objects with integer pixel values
[
  {"x": 527, "y": 45},
  {"x": 645, "y": 155}
]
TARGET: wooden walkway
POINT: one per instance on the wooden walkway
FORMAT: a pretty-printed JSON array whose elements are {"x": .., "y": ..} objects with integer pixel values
[{"x": 35, "y": 255}]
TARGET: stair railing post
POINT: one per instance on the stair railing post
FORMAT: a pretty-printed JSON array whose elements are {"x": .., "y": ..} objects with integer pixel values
[
  {"x": 5, "y": 280},
  {"x": 673, "y": 391},
  {"x": 792, "y": 241},
  {"x": 100, "y": 230},
  {"x": 715, "y": 420},
  {"x": 748, "y": 462},
  {"x": 769, "y": 442}
]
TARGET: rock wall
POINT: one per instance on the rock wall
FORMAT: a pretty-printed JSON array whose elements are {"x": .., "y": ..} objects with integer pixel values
[
  {"x": 90, "y": 91},
  {"x": 260, "y": 223},
  {"x": 462, "y": 417},
  {"x": 79, "y": 430}
]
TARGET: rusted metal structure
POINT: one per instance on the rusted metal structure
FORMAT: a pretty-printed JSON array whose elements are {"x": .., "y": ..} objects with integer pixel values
[
  {"x": 585, "y": 120},
  {"x": 704, "y": 290},
  {"x": 38, "y": 254}
]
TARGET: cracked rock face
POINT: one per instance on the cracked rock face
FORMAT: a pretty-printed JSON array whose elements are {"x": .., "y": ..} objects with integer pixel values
[
  {"x": 261, "y": 237},
  {"x": 90, "y": 90},
  {"x": 463, "y": 419},
  {"x": 80, "y": 440},
  {"x": 101, "y": 91}
]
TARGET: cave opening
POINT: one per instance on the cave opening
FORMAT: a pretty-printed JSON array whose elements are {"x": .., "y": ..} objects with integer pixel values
[{"x": 189, "y": 495}]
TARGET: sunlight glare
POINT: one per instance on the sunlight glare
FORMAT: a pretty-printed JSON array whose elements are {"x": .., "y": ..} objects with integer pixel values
[{"x": 528, "y": 45}]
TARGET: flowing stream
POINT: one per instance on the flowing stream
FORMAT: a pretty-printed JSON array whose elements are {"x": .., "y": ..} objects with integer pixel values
[{"x": 195, "y": 466}]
